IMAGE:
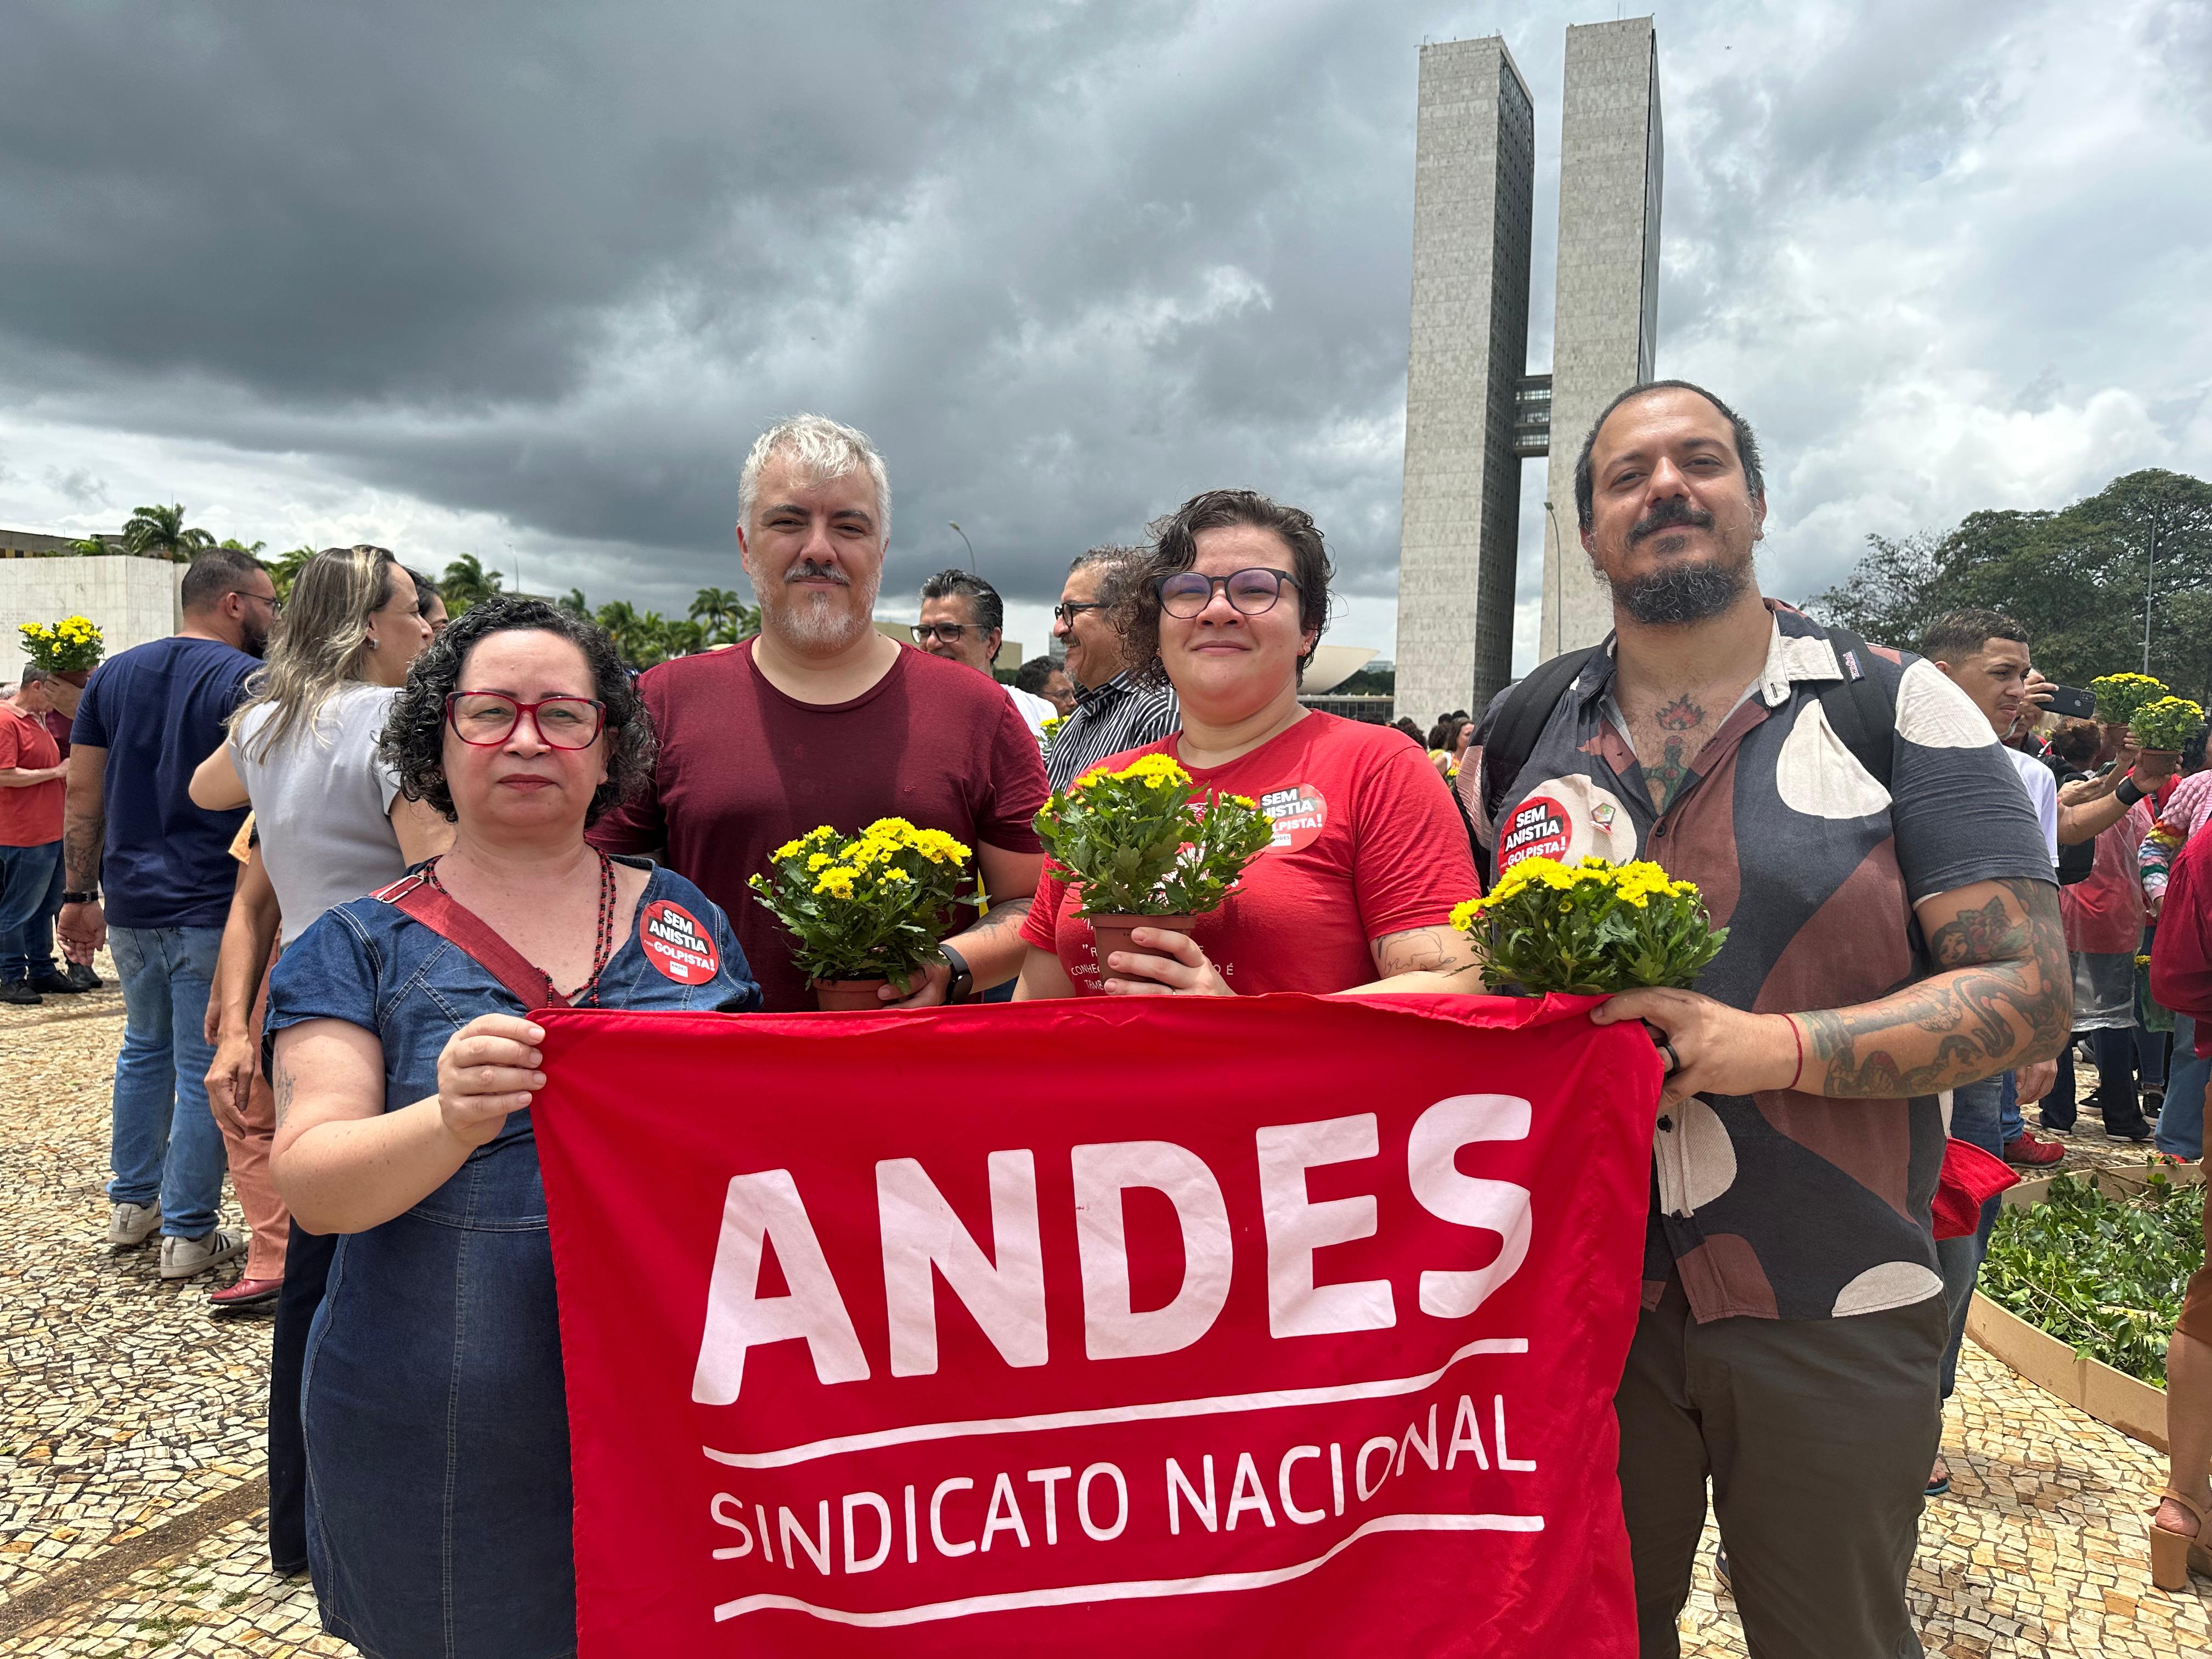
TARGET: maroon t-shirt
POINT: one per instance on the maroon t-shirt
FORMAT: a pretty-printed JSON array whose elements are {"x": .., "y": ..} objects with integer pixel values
[{"x": 744, "y": 769}]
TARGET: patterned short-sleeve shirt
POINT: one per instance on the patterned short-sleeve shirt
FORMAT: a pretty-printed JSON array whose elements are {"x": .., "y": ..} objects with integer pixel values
[{"x": 1784, "y": 1205}]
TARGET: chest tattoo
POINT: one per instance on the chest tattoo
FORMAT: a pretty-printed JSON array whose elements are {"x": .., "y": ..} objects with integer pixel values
[{"x": 1677, "y": 736}]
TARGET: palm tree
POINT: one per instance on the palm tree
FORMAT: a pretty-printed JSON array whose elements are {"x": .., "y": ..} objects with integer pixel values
[
  {"x": 466, "y": 582},
  {"x": 284, "y": 570},
  {"x": 162, "y": 530},
  {"x": 93, "y": 547},
  {"x": 231, "y": 543},
  {"x": 574, "y": 602},
  {"x": 621, "y": 621},
  {"x": 726, "y": 618},
  {"x": 682, "y": 638}
]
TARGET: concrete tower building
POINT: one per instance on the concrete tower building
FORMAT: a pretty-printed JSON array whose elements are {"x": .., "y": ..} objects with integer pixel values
[
  {"x": 1606, "y": 326},
  {"x": 1473, "y": 413},
  {"x": 1475, "y": 161}
]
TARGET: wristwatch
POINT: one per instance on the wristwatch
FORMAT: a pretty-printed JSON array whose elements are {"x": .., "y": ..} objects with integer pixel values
[
  {"x": 91, "y": 897},
  {"x": 964, "y": 977}
]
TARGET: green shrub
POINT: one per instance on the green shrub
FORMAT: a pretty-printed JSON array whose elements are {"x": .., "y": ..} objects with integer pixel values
[{"x": 2103, "y": 1274}]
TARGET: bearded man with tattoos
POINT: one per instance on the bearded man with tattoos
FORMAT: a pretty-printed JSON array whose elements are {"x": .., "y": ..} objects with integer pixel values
[{"x": 1893, "y": 934}]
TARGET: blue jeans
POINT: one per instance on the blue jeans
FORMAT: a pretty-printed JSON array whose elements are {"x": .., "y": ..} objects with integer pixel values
[
  {"x": 2011, "y": 1125},
  {"x": 27, "y": 874},
  {"x": 1976, "y": 1109},
  {"x": 166, "y": 1141},
  {"x": 2181, "y": 1120}
]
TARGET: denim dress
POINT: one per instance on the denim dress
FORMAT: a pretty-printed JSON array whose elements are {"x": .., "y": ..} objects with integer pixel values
[{"x": 435, "y": 1417}]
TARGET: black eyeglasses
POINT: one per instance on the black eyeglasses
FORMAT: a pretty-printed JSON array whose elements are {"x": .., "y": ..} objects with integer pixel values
[
  {"x": 1066, "y": 611},
  {"x": 950, "y": 633},
  {"x": 487, "y": 718},
  {"x": 276, "y": 605},
  {"x": 1251, "y": 593}
]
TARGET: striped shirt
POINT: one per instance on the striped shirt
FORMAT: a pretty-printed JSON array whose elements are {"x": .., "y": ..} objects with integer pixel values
[{"x": 1115, "y": 716}]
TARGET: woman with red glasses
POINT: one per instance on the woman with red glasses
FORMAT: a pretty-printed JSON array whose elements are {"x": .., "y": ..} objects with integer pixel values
[
  {"x": 1370, "y": 854},
  {"x": 436, "y": 1419}
]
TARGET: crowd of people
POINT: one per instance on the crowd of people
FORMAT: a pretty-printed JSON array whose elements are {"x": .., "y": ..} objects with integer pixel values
[{"x": 455, "y": 823}]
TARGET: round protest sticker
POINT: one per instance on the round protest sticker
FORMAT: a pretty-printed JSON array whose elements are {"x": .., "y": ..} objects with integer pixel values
[
  {"x": 676, "y": 944},
  {"x": 1297, "y": 813}
]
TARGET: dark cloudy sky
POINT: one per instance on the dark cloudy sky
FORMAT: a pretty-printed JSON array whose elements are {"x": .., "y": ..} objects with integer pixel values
[{"x": 466, "y": 277}]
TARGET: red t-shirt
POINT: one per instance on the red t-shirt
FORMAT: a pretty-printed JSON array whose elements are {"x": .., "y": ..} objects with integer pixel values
[
  {"x": 744, "y": 768},
  {"x": 30, "y": 817},
  {"x": 1367, "y": 842}
]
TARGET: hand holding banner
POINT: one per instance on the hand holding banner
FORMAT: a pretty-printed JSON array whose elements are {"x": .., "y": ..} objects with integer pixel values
[{"x": 1276, "y": 1324}]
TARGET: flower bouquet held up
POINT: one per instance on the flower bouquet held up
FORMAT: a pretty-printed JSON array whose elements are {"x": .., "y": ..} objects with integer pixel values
[
  {"x": 1144, "y": 854},
  {"x": 72, "y": 646},
  {"x": 1589, "y": 930},
  {"x": 866, "y": 909},
  {"x": 2165, "y": 727},
  {"x": 2118, "y": 697}
]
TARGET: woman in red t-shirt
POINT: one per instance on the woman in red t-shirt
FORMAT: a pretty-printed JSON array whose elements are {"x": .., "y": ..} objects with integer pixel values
[{"x": 1370, "y": 854}]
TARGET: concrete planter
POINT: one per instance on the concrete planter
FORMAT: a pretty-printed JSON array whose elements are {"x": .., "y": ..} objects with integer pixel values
[{"x": 2113, "y": 1398}]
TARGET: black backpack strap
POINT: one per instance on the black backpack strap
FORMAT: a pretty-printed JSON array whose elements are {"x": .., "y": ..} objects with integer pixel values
[
  {"x": 1513, "y": 734},
  {"x": 1859, "y": 711}
]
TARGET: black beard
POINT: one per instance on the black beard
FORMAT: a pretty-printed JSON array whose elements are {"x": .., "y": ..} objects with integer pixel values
[{"x": 1681, "y": 594}]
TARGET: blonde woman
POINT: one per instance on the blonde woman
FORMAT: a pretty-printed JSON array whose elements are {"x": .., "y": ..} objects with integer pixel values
[{"x": 330, "y": 826}]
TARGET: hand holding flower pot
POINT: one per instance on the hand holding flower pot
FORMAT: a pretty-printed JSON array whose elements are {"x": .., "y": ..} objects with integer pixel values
[
  {"x": 866, "y": 910},
  {"x": 72, "y": 646},
  {"x": 1144, "y": 854}
]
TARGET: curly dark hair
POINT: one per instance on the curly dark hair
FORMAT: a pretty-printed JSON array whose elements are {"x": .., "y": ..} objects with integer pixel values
[
  {"x": 1174, "y": 549},
  {"x": 413, "y": 742}
]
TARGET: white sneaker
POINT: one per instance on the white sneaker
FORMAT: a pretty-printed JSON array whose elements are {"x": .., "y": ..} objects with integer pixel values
[
  {"x": 133, "y": 1223},
  {"x": 183, "y": 1257}
]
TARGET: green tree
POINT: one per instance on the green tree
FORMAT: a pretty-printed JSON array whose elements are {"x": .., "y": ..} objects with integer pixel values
[
  {"x": 93, "y": 547},
  {"x": 466, "y": 582},
  {"x": 234, "y": 545},
  {"x": 726, "y": 618},
  {"x": 681, "y": 639},
  {"x": 2079, "y": 580},
  {"x": 574, "y": 602},
  {"x": 162, "y": 531},
  {"x": 284, "y": 570}
]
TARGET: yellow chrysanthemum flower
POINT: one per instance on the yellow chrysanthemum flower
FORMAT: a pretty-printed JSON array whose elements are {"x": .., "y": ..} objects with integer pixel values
[{"x": 788, "y": 850}]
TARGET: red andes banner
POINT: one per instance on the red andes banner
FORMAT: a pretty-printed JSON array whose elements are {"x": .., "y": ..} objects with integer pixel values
[{"x": 1274, "y": 1324}]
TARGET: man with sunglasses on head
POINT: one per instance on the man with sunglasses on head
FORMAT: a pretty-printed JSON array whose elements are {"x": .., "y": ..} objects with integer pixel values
[
  {"x": 821, "y": 720},
  {"x": 964, "y": 621},
  {"x": 1113, "y": 711}
]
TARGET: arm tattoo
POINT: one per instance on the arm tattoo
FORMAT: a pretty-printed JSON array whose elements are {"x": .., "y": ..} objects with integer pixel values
[
  {"x": 1420, "y": 951},
  {"x": 1004, "y": 914},
  {"x": 2002, "y": 995},
  {"x": 283, "y": 1092},
  {"x": 81, "y": 840}
]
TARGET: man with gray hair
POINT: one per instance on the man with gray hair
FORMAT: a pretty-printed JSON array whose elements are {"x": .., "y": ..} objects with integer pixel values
[
  {"x": 31, "y": 792},
  {"x": 963, "y": 620},
  {"x": 1111, "y": 713},
  {"x": 820, "y": 718}
]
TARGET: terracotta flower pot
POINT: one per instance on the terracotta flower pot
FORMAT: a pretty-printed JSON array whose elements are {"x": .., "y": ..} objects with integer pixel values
[
  {"x": 1112, "y": 934},
  {"x": 841, "y": 994},
  {"x": 79, "y": 677}
]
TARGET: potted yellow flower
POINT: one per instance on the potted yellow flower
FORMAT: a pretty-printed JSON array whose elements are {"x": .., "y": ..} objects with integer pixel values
[
  {"x": 2119, "y": 696},
  {"x": 70, "y": 648},
  {"x": 2163, "y": 727},
  {"x": 866, "y": 910},
  {"x": 1143, "y": 853},
  {"x": 1588, "y": 930}
]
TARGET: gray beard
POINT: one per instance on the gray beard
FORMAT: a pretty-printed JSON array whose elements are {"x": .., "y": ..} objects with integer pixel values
[
  {"x": 1683, "y": 593},
  {"x": 822, "y": 624}
]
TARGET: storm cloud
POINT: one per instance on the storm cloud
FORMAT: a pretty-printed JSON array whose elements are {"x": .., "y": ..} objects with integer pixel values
[{"x": 459, "y": 277}]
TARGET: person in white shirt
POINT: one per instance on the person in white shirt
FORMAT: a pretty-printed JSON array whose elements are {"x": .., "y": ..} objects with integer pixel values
[{"x": 963, "y": 620}]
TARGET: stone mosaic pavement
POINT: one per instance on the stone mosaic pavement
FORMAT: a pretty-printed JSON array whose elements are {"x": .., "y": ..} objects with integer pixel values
[{"x": 130, "y": 1519}]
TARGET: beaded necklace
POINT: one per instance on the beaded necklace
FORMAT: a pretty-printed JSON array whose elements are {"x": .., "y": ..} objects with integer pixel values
[{"x": 604, "y": 948}]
